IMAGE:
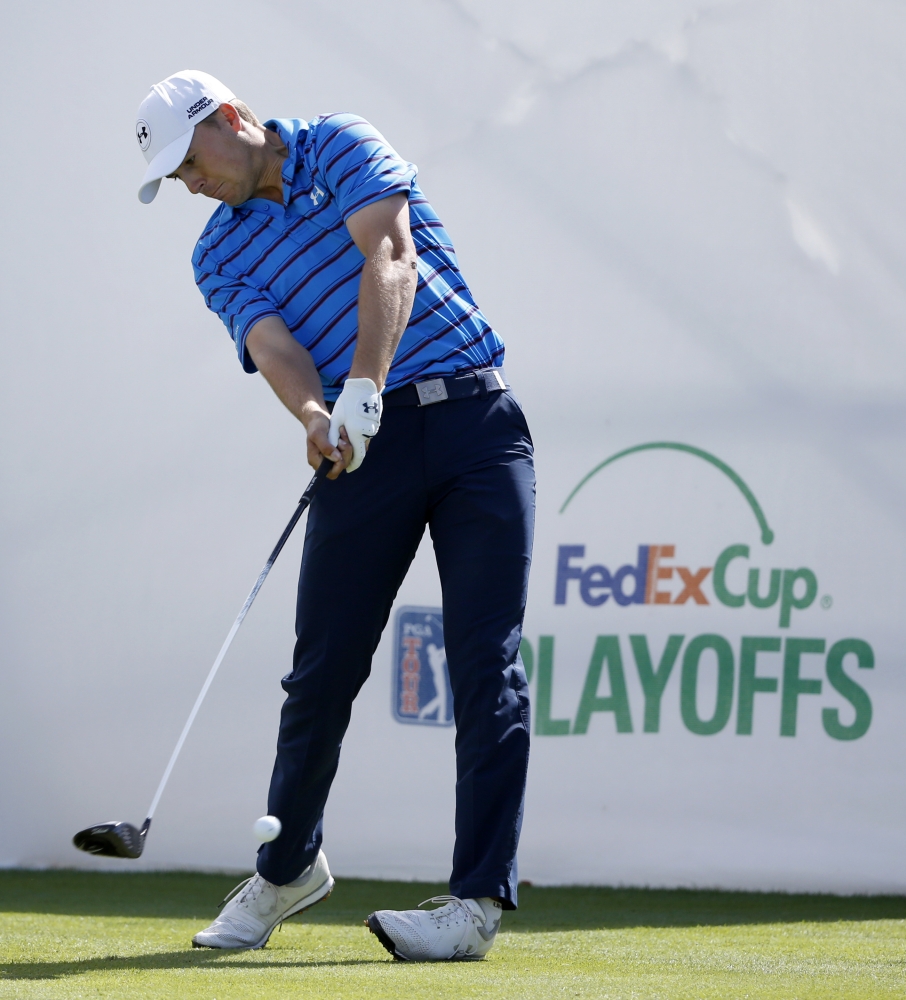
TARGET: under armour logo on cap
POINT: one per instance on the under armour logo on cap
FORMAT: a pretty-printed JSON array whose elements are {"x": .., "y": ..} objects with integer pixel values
[{"x": 143, "y": 134}]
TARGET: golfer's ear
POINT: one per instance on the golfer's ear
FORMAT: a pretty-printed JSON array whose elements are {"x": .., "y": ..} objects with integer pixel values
[{"x": 232, "y": 116}]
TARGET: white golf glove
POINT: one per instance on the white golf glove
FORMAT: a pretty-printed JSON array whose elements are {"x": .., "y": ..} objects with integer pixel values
[{"x": 358, "y": 410}]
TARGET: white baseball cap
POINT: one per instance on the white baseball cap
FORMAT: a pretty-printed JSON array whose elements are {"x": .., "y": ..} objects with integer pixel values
[{"x": 166, "y": 122}]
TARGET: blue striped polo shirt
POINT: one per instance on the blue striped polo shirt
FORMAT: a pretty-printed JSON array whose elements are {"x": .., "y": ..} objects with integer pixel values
[{"x": 298, "y": 261}]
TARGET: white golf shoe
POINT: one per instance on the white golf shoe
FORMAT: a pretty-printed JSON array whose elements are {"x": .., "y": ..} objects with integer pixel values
[
  {"x": 255, "y": 907},
  {"x": 461, "y": 929}
]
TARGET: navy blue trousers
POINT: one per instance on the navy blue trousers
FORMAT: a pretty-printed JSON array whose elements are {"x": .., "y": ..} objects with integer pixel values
[{"x": 463, "y": 468}]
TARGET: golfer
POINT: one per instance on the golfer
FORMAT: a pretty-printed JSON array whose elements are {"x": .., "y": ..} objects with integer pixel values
[{"x": 337, "y": 281}]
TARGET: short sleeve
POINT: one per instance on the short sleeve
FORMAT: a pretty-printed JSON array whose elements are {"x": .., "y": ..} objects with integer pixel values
[
  {"x": 357, "y": 163},
  {"x": 239, "y": 306}
]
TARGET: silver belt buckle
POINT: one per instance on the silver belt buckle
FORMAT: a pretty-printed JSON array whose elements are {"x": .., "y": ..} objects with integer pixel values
[{"x": 432, "y": 391}]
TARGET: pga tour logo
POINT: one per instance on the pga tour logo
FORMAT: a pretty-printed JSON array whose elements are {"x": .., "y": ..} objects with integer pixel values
[{"x": 421, "y": 682}]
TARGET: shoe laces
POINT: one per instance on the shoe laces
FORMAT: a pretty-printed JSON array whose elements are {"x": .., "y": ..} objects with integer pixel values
[
  {"x": 439, "y": 916},
  {"x": 252, "y": 887}
]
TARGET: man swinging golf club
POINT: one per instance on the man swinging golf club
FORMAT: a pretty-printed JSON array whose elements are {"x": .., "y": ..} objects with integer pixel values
[{"x": 337, "y": 281}]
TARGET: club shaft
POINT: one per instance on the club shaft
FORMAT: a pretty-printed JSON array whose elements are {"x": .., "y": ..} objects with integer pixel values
[{"x": 304, "y": 501}]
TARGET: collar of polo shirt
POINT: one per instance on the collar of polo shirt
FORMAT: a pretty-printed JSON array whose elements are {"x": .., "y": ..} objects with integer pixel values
[{"x": 166, "y": 122}]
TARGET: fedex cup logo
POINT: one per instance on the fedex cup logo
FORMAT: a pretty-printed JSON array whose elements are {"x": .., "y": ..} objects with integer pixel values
[
  {"x": 713, "y": 675},
  {"x": 658, "y": 577},
  {"x": 648, "y": 581}
]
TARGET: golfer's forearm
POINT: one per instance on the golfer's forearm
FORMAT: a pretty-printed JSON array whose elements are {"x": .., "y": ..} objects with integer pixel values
[
  {"x": 387, "y": 285},
  {"x": 386, "y": 293},
  {"x": 288, "y": 368}
]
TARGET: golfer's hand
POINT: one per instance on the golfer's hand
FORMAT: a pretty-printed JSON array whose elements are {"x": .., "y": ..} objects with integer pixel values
[
  {"x": 319, "y": 447},
  {"x": 357, "y": 411}
]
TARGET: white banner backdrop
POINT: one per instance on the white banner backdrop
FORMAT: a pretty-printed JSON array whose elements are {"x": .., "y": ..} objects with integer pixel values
[{"x": 686, "y": 221}]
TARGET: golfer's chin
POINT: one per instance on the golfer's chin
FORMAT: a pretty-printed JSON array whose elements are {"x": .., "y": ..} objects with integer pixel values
[{"x": 228, "y": 194}]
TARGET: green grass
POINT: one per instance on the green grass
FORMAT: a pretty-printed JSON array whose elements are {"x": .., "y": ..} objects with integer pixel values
[{"x": 78, "y": 934}]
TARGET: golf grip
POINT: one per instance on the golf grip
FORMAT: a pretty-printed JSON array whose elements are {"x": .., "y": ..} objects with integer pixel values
[{"x": 302, "y": 506}]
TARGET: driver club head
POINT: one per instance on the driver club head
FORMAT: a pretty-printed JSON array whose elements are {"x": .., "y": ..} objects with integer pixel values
[{"x": 113, "y": 840}]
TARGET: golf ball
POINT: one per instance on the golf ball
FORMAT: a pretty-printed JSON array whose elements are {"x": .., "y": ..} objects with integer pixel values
[{"x": 267, "y": 828}]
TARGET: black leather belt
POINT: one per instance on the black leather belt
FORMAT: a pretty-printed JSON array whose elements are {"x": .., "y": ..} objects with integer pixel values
[{"x": 437, "y": 390}]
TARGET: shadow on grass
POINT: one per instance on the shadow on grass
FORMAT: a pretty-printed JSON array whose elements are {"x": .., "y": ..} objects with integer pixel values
[
  {"x": 194, "y": 896},
  {"x": 161, "y": 961}
]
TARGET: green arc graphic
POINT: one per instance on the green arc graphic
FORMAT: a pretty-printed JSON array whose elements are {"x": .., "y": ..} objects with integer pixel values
[{"x": 767, "y": 536}]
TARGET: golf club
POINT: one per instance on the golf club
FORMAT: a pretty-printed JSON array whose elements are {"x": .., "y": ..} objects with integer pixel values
[{"x": 123, "y": 840}]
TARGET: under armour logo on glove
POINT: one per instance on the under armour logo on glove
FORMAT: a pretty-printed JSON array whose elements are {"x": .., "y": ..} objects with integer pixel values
[{"x": 370, "y": 407}]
